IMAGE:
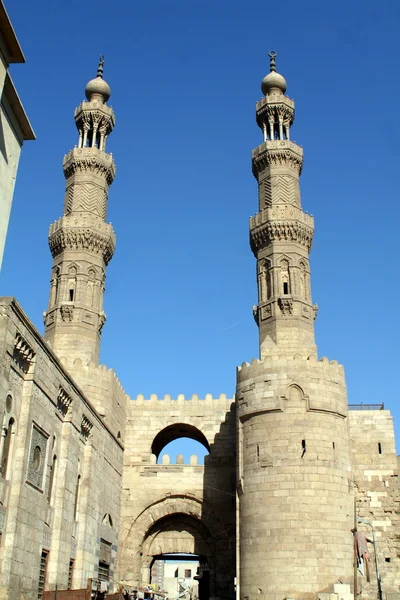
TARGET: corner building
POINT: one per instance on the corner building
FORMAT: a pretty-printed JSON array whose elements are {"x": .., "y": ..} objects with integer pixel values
[{"x": 290, "y": 469}]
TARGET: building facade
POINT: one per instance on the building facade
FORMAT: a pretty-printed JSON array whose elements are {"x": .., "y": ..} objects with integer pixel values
[
  {"x": 294, "y": 482},
  {"x": 14, "y": 124}
]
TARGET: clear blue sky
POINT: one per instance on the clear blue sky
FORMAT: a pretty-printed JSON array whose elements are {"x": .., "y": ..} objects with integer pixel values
[{"x": 185, "y": 76}]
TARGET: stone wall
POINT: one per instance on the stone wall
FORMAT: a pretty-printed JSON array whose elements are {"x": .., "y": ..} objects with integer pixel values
[
  {"x": 375, "y": 467},
  {"x": 179, "y": 507},
  {"x": 60, "y": 492}
]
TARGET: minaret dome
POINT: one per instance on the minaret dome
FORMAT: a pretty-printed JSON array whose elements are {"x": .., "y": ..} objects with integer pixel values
[
  {"x": 98, "y": 89},
  {"x": 273, "y": 81}
]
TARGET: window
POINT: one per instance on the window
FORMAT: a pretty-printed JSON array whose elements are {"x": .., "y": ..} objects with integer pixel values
[
  {"x": 70, "y": 573},
  {"x": 379, "y": 448},
  {"x": 51, "y": 480},
  {"x": 285, "y": 288},
  {"x": 71, "y": 294},
  {"x": 104, "y": 571},
  {"x": 188, "y": 573},
  {"x": 7, "y": 433},
  {"x": 42, "y": 572},
  {"x": 176, "y": 573}
]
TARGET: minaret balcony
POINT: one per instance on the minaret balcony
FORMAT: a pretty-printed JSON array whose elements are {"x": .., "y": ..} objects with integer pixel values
[
  {"x": 282, "y": 223},
  {"x": 82, "y": 232},
  {"x": 277, "y": 153},
  {"x": 89, "y": 160},
  {"x": 274, "y": 106}
]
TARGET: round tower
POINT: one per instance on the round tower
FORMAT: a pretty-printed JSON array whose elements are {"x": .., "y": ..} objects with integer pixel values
[{"x": 294, "y": 479}]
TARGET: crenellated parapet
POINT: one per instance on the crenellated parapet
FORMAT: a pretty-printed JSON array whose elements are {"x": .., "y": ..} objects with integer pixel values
[
  {"x": 264, "y": 385},
  {"x": 221, "y": 401}
]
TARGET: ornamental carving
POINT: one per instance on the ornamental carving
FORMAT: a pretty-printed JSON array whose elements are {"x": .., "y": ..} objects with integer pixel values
[
  {"x": 286, "y": 306},
  {"x": 286, "y": 231},
  {"x": 64, "y": 401},
  {"x": 86, "y": 427},
  {"x": 23, "y": 354},
  {"x": 277, "y": 157},
  {"x": 67, "y": 312},
  {"x": 82, "y": 239},
  {"x": 102, "y": 320},
  {"x": 315, "y": 310},
  {"x": 92, "y": 164}
]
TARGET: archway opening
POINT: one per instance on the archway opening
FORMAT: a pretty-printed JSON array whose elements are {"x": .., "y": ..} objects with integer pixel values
[
  {"x": 181, "y": 576},
  {"x": 180, "y": 441},
  {"x": 176, "y": 554}
]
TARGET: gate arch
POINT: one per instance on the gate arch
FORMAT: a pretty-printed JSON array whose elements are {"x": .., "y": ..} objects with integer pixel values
[{"x": 172, "y": 512}]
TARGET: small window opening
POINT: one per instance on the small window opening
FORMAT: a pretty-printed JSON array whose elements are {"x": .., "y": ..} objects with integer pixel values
[
  {"x": 71, "y": 294},
  {"x": 188, "y": 573},
  {"x": 258, "y": 451},
  {"x": 42, "y": 572},
  {"x": 303, "y": 444},
  {"x": 285, "y": 288},
  {"x": 379, "y": 448},
  {"x": 70, "y": 573},
  {"x": 176, "y": 573},
  {"x": 333, "y": 445},
  {"x": 387, "y": 559}
]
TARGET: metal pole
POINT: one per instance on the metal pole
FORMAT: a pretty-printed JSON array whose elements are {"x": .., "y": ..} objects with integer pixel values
[{"x": 55, "y": 592}]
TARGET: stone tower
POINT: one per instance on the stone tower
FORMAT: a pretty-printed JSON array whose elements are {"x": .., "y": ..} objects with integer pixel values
[
  {"x": 81, "y": 241},
  {"x": 294, "y": 484}
]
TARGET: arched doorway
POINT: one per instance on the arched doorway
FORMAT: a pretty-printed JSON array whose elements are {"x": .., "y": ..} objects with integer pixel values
[
  {"x": 179, "y": 524},
  {"x": 181, "y": 576},
  {"x": 181, "y": 538}
]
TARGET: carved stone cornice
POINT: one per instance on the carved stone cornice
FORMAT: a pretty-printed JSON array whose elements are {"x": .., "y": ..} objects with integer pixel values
[
  {"x": 89, "y": 160},
  {"x": 277, "y": 153},
  {"x": 274, "y": 107},
  {"x": 282, "y": 223},
  {"x": 65, "y": 235},
  {"x": 263, "y": 235}
]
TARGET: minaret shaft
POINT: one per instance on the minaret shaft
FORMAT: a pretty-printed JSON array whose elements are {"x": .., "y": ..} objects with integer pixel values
[
  {"x": 281, "y": 235},
  {"x": 81, "y": 242}
]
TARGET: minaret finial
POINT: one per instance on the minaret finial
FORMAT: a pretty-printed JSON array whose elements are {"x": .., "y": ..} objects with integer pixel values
[
  {"x": 272, "y": 63},
  {"x": 100, "y": 67}
]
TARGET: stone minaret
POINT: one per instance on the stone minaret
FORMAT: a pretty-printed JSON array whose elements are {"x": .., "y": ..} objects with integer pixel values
[
  {"x": 81, "y": 241},
  {"x": 294, "y": 480}
]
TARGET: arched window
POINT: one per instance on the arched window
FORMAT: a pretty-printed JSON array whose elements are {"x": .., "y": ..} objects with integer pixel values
[
  {"x": 5, "y": 456},
  {"x": 180, "y": 438}
]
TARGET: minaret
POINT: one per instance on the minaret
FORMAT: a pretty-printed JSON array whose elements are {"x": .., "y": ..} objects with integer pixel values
[
  {"x": 294, "y": 474},
  {"x": 81, "y": 241},
  {"x": 281, "y": 233}
]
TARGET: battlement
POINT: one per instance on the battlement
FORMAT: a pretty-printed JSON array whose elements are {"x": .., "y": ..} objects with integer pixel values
[
  {"x": 100, "y": 371},
  {"x": 329, "y": 368},
  {"x": 221, "y": 401},
  {"x": 179, "y": 460}
]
